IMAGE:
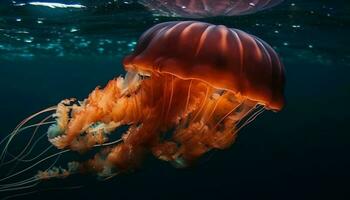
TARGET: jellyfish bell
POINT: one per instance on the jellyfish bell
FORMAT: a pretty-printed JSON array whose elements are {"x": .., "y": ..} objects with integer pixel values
[
  {"x": 189, "y": 88},
  {"x": 226, "y": 59},
  {"x": 232, "y": 75},
  {"x": 207, "y": 8}
]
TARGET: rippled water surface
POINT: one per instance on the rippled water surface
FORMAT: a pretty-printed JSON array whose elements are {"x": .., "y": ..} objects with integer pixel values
[{"x": 50, "y": 52}]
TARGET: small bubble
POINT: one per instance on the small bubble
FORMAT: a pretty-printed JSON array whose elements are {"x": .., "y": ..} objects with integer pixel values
[
  {"x": 72, "y": 30},
  {"x": 252, "y": 4}
]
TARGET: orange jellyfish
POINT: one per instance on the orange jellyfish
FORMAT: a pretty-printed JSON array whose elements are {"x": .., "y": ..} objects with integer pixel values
[
  {"x": 207, "y": 8},
  {"x": 189, "y": 88}
]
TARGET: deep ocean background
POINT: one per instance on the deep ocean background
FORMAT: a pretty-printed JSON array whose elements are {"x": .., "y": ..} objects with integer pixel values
[{"x": 302, "y": 152}]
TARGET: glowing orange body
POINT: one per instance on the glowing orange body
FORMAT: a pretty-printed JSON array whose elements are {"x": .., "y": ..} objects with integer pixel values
[
  {"x": 189, "y": 88},
  {"x": 200, "y": 88},
  {"x": 203, "y": 118}
]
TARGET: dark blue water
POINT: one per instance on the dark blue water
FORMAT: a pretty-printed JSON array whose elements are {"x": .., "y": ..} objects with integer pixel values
[{"x": 49, "y": 54}]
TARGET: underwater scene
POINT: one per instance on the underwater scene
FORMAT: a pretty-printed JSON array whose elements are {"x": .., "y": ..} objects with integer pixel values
[{"x": 174, "y": 99}]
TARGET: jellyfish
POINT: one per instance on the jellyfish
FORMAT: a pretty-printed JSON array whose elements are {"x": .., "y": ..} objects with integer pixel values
[
  {"x": 189, "y": 88},
  {"x": 207, "y": 8}
]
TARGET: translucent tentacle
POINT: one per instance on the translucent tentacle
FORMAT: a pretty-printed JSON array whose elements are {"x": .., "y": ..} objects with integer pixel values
[{"x": 19, "y": 126}]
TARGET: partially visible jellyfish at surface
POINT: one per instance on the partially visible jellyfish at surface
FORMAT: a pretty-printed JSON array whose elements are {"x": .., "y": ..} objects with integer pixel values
[
  {"x": 189, "y": 88},
  {"x": 207, "y": 8}
]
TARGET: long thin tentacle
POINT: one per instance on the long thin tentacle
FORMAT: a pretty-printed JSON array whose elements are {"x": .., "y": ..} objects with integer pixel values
[
  {"x": 188, "y": 95},
  {"x": 251, "y": 118},
  {"x": 52, "y": 156},
  {"x": 228, "y": 114},
  {"x": 170, "y": 98},
  {"x": 23, "y": 184},
  {"x": 20, "y": 155},
  {"x": 18, "y": 127},
  {"x": 203, "y": 104}
]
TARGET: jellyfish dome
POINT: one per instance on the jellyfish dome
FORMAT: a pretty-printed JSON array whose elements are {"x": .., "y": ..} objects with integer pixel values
[
  {"x": 190, "y": 87},
  {"x": 207, "y": 8}
]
